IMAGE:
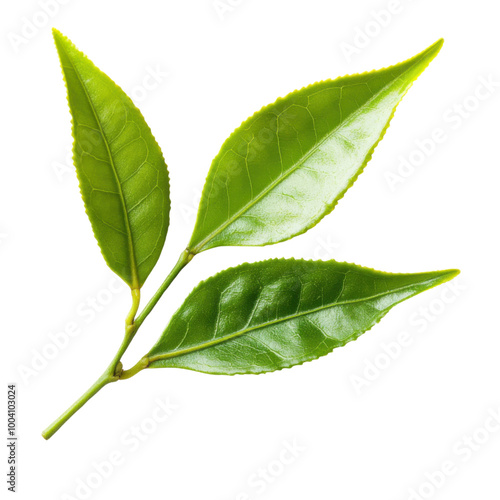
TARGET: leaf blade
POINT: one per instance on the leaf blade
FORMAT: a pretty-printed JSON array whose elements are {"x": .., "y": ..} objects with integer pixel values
[
  {"x": 121, "y": 171},
  {"x": 266, "y": 316},
  {"x": 288, "y": 165}
]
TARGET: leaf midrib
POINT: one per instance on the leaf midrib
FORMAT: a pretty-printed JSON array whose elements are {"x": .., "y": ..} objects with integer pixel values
[
  {"x": 295, "y": 166},
  {"x": 199, "y": 347},
  {"x": 135, "y": 276}
]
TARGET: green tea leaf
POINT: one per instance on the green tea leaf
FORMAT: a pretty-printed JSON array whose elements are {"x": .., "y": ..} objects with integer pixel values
[
  {"x": 122, "y": 174},
  {"x": 261, "y": 317},
  {"x": 287, "y": 166}
]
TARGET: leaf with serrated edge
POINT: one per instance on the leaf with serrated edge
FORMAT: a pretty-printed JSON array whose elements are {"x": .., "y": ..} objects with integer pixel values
[
  {"x": 287, "y": 166},
  {"x": 275, "y": 314},
  {"x": 123, "y": 177}
]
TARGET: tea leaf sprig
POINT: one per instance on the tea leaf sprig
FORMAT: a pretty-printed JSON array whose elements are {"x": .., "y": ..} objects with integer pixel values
[{"x": 275, "y": 177}]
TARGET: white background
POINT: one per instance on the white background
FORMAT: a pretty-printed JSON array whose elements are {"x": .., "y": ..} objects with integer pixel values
[{"x": 378, "y": 442}]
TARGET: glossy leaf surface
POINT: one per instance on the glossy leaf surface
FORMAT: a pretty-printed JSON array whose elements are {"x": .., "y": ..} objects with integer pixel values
[
  {"x": 270, "y": 315},
  {"x": 122, "y": 174},
  {"x": 287, "y": 166}
]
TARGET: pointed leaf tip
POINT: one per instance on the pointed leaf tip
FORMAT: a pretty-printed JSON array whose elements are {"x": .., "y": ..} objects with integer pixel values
[
  {"x": 449, "y": 274},
  {"x": 58, "y": 36},
  {"x": 435, "y": 278},
  {"x": 432, "y": 51}
]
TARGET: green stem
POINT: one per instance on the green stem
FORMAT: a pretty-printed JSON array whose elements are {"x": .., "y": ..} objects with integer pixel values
[
  {"x": 184, "y": 259},
  {"x": 143, "y": 363},
  {"x": 111, "y": 374},
  {"x": 115, "y": 370},
  {"x": 58, "y": 422},
  {"x": 139, "y": 366}
]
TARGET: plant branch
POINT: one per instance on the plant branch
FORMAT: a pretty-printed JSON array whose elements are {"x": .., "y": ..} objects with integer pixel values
[
  {"x": 115, "y": 370},
  {"x": 92, "y": 391},
  {"x": 184, "y": 259},
  {"x": 111, "y": 374}
]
